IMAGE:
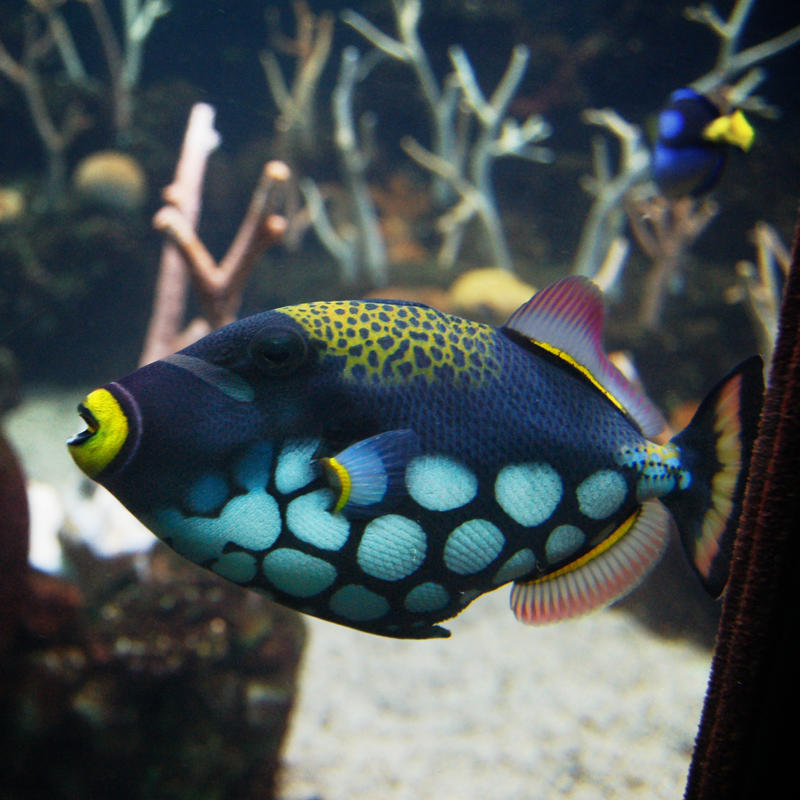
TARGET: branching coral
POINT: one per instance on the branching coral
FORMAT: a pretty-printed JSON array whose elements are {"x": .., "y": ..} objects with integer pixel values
[
  {"x": 498, "y": 135},
  {"x": 761, "y": 283},
  {"x": 665, "y": 230},
  {"x": 606, "y": 217},
  {"x": 731, "y": 61},
  {"x": 56, "y": 135},
  {"x": 360, "y": 250},
  {"x": 296, "y": 125},
  {"x": 45, "y": 30},
  {"x": 461, "y": 168},
  {"x": 185, "y": 257},
  {"x": 440, "y": 98},
  {"x": 124, "y": 56}
]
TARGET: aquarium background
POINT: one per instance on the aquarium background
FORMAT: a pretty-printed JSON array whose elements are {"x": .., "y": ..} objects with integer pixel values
[{"x": 602, "y": 707}]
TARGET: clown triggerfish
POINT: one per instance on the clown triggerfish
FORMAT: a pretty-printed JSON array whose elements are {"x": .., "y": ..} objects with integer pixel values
[
  {"x": 380, "y": 464},
  {"x": 694, "y": 137}
]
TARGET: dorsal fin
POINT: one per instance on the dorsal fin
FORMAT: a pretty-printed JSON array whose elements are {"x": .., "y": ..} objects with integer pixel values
[{"x": 566, "y": 319}]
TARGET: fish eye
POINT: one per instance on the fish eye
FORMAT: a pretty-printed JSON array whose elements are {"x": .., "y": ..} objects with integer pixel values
[{"x": 278, "y": 351}]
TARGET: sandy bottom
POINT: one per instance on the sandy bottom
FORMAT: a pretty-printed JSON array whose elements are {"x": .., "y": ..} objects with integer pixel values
[{"x": 594, "y": 708}]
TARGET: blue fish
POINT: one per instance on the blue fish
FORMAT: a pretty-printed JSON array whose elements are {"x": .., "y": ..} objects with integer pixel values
[
  {"x": 693, "y": 142},
  {"x": 380, "y": 464}
]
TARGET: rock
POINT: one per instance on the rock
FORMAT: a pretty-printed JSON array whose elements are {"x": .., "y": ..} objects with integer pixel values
[
  {"x": 489, "y": 292},
  {"x": 169, "y": 683},
  {"x": 110, "y": 181},
  {"x": 12, "y": 204}
]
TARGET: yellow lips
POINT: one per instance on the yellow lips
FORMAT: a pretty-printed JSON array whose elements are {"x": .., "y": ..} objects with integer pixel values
[{"x": 106, "y": 431}]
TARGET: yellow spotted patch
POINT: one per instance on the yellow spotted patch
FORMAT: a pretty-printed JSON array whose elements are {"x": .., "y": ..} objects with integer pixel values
[
  {"x": 393, "y": 342},
  {"x": 658, "y": 466},
  {"x": 666, "y": 454}
]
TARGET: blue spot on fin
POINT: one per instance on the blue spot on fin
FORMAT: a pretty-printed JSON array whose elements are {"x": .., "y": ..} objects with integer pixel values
[
  {"x": 369, "y": 476},
  {"x": 566, "y": 319},
  {"x": 599, "y": 577}
]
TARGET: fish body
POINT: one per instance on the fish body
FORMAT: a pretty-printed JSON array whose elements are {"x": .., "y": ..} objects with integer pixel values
[
  {"x": 694, "y": 137},
  {"x": 380, "y": 464}
]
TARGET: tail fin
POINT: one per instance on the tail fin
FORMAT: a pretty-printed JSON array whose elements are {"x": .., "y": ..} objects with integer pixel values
[{"x": 716, "y": 448}]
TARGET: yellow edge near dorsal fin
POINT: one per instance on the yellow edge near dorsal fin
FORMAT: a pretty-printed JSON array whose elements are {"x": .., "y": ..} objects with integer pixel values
[
  {"x": 604, "y": 574},
  {"x": 564, "y": 356},
  {"x": 565, "y": 320}
]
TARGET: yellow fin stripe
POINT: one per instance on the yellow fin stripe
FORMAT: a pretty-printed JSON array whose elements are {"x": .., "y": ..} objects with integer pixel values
[
  {"x": 564, "y": 356},
  {"x": 340, "y": 479},
  {"x": 605, "y": 574},
  {"x": 601, "y": 548},
  {"x": 727, "y": 427}
]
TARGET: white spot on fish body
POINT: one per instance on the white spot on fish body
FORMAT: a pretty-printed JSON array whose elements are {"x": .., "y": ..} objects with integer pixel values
[
  {"x": 207, "y": 494},
  {"x": 392, "y": 547},
  {"x": 521, "y": 563},
  {"x": 236, "y": 566},
  {"x": 196, "y": 538},
  {"x": 297, "y": 573},
  {"x": 601, "y": 494},
  {"x": 428, "y": 596},
  {"x": 439, "y": 483},
  {"x": 562, "y": 542},
  {"x": 472, "y": 546},
  {"x": 358, "y": 603},
  {"x": 295, "y": 468},
  {"x": 309, "y": 518},
  {"x": 252, "y": 470},
  {"x": 529, "y": 493},
  {"x": 251, "y": 520}
]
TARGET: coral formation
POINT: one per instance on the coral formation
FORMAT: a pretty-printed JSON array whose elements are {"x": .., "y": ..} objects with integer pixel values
[{"x": 160, "y": 683}]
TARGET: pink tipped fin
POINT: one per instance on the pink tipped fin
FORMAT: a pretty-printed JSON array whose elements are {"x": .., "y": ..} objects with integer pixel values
[
  {"x": 566, "y": 319},
  {"x": 603, "y": 575}
]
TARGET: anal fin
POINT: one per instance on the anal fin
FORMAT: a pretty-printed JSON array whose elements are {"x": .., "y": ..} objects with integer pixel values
[{"x": 604, "y": 574}]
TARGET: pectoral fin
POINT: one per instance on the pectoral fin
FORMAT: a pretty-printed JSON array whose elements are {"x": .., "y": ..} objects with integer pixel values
[{"x": 369, "y": 475}]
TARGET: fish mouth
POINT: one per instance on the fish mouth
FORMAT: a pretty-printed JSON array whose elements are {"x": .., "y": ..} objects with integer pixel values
[
  {"x": 106, "y": 433},
  {"x": 92, "y": 426}
]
